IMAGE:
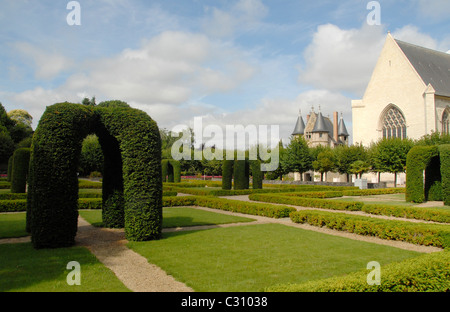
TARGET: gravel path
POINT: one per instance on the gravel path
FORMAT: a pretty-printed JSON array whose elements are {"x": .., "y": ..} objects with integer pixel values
[{"x": 109, "y": 246}]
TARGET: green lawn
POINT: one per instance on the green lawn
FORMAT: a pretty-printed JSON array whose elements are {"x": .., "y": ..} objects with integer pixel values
[
  {"x": 24, "y": 269},
  {"x": 176, "y": 217},
  {"x": 12, "y": 225},
  {"x": 253, "y": 257}
]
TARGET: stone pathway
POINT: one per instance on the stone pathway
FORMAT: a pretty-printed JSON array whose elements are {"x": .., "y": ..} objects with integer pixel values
[{"x": 109, "y": 246}]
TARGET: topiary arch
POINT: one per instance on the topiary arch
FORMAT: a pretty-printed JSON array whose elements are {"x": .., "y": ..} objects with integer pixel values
[
  {"x": 132, "y": 183},
  {"x": 434, "y": 161},
  {"x": 171, "y": 170}
]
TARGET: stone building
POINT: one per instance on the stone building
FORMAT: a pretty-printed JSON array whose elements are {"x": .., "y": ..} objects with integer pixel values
[
  {"x": 320, "y": 130},
  {"x": 408, "y": 95}
]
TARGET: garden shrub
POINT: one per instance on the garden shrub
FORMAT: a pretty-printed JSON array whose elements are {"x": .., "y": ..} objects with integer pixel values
[
  {"x": 435, "y": 192},
  {"x": 257, "y": 175},
  {"x": 13, "y": 205},
  {"x": 172, "y": 201},
  {"x": 9, "y": 172},
  {"x": 52, "y": 211},
  {"x": 272, "y": 211},
  {"x": 432, "y": 188},
  {"x": 85, "y": 184},
  {"x": 171, "y": 171},
  {"x": 444, "y": 152},
  {"x": 241, "y": 174},
  {"x": 417, "y": 161},
  {"x": 131, "y": 145},
  {"x": 5, "y": 185},
  {"x": 427, "y": 214},
  {"x": 227, "y": 174},
  {"x": 21, "y": 160},
  {"x": 139, "y": 140},
  {"x": 417, "y": 233},
  {"x": 308, "y": 202},
  {"x": 426, "y": 273}
]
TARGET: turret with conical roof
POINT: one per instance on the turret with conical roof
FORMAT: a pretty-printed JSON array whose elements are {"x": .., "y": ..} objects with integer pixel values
[{"x": 299, "y": 126}]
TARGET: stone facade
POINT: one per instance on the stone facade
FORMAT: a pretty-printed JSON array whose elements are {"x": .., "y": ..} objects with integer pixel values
[{"x": 407, "y": 96}]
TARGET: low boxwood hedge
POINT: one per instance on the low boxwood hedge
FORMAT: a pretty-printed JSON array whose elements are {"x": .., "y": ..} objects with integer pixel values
[
  {"x": 308, "y": 202},
  {"x": 427, "y": 214},
  {"x": 426, "y": 273},
  {"x": 416, "y": 233},
  {"x": 272, "y": 211}
]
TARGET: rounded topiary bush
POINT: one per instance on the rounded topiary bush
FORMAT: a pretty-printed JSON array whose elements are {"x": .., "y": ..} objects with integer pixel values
[{"x": 21, "y": 160}]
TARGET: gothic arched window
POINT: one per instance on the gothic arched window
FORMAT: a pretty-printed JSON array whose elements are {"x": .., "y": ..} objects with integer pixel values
[
  {"x": 446, "y": 122},
  {"x": 394, "y": 124}
]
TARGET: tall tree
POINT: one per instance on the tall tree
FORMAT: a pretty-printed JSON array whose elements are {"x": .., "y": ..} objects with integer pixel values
[
  {"x": 346, "y": 156},
  {"x": 325, "y": 162},
  {"x": 390, "y": 155},
  {"x": 297, "y": 157}
]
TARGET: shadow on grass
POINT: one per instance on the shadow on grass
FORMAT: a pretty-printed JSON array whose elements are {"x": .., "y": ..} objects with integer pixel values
[{"x": 26, "y": 269}]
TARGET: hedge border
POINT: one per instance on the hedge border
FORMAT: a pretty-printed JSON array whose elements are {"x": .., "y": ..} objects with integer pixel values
[
  {"x": 427, "y": 272},
  {"x": 415, "y": 233}
]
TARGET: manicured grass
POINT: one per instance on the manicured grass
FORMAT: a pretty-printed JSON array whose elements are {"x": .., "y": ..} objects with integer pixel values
[
  {"x": 176, "y": 217},
  {"x": 182, "y": 217},
  {"x": 253, "y": 257},
  {"x": 24, "y": 269},
  {"x": 13, "y": 225}
]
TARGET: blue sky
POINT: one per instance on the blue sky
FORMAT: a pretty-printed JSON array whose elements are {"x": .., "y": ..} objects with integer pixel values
[{"x": 231, "y": 62}]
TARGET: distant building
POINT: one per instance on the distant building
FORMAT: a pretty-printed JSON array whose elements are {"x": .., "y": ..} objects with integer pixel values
[
  {"x": 320, "y": 130},
  {"x": 408, "y": 95}
]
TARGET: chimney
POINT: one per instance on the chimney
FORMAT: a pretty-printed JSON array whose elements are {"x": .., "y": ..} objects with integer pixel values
[
  {"x": 307, "y": 118},
  {"x": 335, "y": 126}
]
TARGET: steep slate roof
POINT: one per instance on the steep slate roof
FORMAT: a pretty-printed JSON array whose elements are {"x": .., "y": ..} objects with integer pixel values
[
  {"x": 321, "y": 125},
  {"x": 342, "y": 130},
  {"x": 432, "y": 66},
  {"x": 299, "y": 127}
]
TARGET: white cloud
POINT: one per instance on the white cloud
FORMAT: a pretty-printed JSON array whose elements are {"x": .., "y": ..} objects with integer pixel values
[
  {"x": 342, "y": 60},
  {"x": 412, "y": 34},
  {"x": 47, "y": 65},
  {"x": 171, "y": 68}
]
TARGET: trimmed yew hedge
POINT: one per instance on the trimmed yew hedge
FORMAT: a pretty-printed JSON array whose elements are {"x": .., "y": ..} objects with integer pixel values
[
  {"x": 171, "y": 171},
  {"x": 227, "y": 174},
  {"x": 416, "y": 233},
  {"x": 307, "y": 202},
  {"x": 426, "y": 273},
  {"x": 20, "y": 162},
  {"x": 132, "y": 183},
  {"x": 427, "y": 214},
  {"x": 444, "y": 152},
  {"x": 52, "y": 211},
  {"x": 416, "y": 162},
  {"x": 272, "y": 211},
  {"x": 139, "y": 144}
]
